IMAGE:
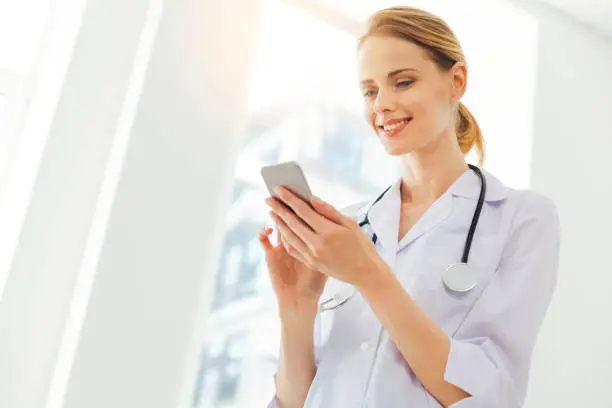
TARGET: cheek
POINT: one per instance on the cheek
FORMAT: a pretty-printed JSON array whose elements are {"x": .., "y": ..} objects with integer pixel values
[
  {"x": 443, "y": 107},
  {"x": 420, "y": 106},
  {"x": 368, "y": 115},
  {"x": 417, "y": 102},
  {"x": 431, "y": 112}
]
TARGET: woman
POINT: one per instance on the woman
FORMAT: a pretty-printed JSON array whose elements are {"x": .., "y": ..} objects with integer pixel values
[{"x": 406, "y": 337}]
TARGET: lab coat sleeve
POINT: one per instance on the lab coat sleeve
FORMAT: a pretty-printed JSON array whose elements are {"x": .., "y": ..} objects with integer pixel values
[
  {"x": 490, "y": 352},
  {"x": 317, "y": 347}
]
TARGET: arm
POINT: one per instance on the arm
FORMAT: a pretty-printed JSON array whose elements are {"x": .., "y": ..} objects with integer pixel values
[
  {"x": 424, "y": 346},
  {"x": 296, "y": 365},
  {"x": 486, "y": 362},
  {"x": 299, "y": 328}
]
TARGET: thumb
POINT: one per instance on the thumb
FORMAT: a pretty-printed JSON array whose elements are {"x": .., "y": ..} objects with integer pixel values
[
  {"x": 328, "y": 211},
  {"x": 264, "y": 240}
]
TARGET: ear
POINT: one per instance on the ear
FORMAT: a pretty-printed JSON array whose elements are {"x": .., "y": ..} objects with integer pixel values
[{"x": 458, "y": 77}]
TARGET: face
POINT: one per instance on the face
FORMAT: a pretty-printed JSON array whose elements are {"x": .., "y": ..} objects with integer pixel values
[{"x": 408, "y": 100}]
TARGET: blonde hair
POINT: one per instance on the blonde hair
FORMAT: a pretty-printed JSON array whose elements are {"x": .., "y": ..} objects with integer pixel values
[{"x": 434, "y": 35}]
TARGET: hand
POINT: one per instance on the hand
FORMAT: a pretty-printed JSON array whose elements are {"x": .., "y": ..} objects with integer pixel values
[
  {"x": 297, "y": 286},
  {"x": 325, "y": 239}
]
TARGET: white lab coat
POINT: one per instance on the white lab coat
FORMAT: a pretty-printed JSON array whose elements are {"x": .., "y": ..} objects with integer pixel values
[{"x": 492, "y": 328}]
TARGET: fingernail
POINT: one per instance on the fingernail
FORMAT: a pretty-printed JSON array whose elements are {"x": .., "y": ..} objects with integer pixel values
[{"x": 317, "y": 200}]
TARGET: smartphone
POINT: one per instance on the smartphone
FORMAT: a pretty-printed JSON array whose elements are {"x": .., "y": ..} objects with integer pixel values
[{"x": 289, "y": 175}]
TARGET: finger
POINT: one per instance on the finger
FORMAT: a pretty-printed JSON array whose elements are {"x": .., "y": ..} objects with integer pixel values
[
  {"x": 329, "y": 211},
  {"x": 302, "y": 209},
  {"x": 278, "y": 236},
  {"x": 264, "y": 240},
  {"x": 294, "y": 253},
  {"x": 293, "y": 221},
  {"x": 289, "y": 237}
]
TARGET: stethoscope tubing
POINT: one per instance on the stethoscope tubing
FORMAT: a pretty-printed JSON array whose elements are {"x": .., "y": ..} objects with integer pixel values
[{"x": 466, "y": 248}]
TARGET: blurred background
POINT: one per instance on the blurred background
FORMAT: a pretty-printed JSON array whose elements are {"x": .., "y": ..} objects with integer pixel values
[{"x": 131, "y": 138}]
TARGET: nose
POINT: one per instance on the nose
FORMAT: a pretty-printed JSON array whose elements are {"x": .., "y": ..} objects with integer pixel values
[{"x": 383, "y": 102}]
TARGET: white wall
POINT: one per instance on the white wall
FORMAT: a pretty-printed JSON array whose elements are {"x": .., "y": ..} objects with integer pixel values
[
  {"x": 572, "y": 141},
  {"x": 46, "y": 262},
  {"x": 126, "y": 207}
]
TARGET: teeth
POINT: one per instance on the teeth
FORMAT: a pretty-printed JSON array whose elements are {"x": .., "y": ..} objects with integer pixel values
[{"x": 395, "y": 125}]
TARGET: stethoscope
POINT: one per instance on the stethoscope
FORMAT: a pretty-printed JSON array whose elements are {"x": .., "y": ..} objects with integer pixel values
[{"x": 458, "y": 277}]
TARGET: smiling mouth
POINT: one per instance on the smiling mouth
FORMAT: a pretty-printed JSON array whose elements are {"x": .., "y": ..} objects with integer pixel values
[{"x": 395, "y": 128}]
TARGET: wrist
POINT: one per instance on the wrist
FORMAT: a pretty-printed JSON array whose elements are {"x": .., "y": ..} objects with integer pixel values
[
  {"x": 298, "y": 315},
  {"x": 376, "y": 278}
]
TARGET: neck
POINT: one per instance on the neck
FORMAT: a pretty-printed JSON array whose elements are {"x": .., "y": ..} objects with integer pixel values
[{"x": 427, "y": 175}]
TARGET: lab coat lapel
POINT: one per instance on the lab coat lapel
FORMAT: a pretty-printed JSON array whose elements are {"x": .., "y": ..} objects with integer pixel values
[
  {"x": 384, "y": 216},
  {"x": 437, "y": 213},
  {"x": 384, "y": 220},
  {"x": 467, "y": 186}
]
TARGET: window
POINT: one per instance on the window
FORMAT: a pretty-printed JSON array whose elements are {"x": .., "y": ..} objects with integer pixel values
[
  {"x": 220, "y": 370},
  {"x": 304, "y": 106}
]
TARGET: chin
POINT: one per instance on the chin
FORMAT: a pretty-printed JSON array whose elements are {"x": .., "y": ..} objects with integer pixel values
[
  {"x": 393, "y": 148},
  {"x": 397, "y": 152}
]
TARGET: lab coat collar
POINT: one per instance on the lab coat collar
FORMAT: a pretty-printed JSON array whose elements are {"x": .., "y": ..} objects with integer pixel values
[
  {"x": 468, "y": 186},
  {"x": 384, "y": 216}
]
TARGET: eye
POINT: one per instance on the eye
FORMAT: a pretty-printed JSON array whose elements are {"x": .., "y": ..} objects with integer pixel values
[
  {"x": 368, "y": 93},
  {"x": 404, "y": 84}
]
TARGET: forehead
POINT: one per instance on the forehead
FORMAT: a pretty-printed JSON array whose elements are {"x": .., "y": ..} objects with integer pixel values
[{"x": 380, "y": 55}]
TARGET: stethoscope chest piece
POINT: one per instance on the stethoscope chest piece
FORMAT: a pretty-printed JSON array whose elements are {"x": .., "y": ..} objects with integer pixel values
[{"x": 460, "y": 277}]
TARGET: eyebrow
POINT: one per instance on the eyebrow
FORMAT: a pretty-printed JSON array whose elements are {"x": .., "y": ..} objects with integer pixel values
[{"x": 391, "y": 74}]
